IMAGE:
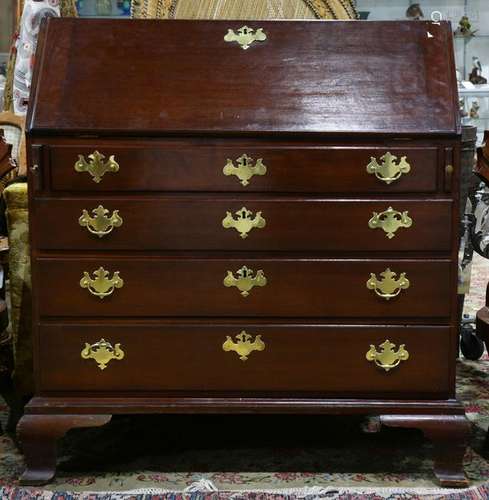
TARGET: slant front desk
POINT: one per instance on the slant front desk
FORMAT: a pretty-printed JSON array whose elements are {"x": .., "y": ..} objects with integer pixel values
[{"x": 232, "y": 217}]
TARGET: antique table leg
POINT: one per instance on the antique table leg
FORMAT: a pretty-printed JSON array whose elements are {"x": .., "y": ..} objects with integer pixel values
[
  {"x": 38, "y": 436},
  {"x": 449, "y": 435}
]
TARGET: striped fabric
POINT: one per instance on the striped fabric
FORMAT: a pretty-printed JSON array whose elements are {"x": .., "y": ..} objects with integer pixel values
[{"x": 237, "y": 9}]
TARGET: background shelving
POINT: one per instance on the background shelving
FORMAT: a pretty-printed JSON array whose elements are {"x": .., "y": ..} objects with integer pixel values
[{"x": 465, "y": 47}]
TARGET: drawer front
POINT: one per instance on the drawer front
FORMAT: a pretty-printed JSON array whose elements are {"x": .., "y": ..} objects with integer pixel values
[
  {"x": 244, "y": 287},
  {"x": 330, "y": 360},
  {"x": 203, "y": 223},
  {"x": 214, "y": 167}
]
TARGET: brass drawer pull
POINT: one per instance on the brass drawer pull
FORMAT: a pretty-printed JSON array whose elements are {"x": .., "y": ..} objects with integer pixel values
[
  {"x": 243, "y": 223},
  {"x": 388, "y": 171},
  {"x": 390, "y": 221},
  {"x": 245, "y": 169},
  {"x": 387, "y": 358},
  {"x": 102, "y": 285},
  {"x": 96, "y": 166},
  {"x": 102, "y": 352},
  {"x": 388, "y": 287},
  {"x": 243, "y": 347},
  {"x": 100, "y": 224},
  {"x": 245, "y": 280},
  {"x": 245, "y": 36}
]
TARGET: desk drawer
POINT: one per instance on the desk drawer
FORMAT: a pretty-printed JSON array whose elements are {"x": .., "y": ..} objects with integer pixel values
[
  {"x": 200, "y": 166},
  {"x": 245, "y": 287},
  {"x": 330, "y": 360},
  {"x": 252, "y": 223}
]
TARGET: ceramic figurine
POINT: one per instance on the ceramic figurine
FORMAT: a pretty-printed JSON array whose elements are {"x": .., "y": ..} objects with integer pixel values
[
  {"x": 464, "y": 28},
  {"x": 474, "y": 110},
  {"x": 476, "y": 74},
  {"x": 414, "y": 12}
]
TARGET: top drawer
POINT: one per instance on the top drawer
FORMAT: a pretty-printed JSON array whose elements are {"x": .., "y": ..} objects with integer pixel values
[{"x": 241, "y": 167}]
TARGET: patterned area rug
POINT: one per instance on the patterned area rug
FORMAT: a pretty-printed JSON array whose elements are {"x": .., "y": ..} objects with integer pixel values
[
  {"x": 300, "y": 456},
  {"x": 220, "y": 457}
]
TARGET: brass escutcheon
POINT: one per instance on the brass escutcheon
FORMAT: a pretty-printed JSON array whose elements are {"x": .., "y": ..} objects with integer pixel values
[
  {"x": 388, "y": 287},
  {"x": 96, "y": 166},
  {"x": 243, "y": 223},
  {"x": 102, "y": 285},
  {"x": 245, "y": 280},
  {"x": 387, "y": 358},
  {"x": 102, "y": 352},
  {"x": 245, "y": 169},
  {"x": 243, "y": 347},
  {"x": 100, "y": 224},
  {"x": 245, "y": 36},
  {"x": 388, "y": 171},
  {"x": 390, "y": 221}
]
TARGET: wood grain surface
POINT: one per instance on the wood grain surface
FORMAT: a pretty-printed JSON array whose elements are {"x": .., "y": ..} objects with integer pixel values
[
  {"x": 194, "y": 287},
  {"x": 326, "y": 359},
  {"x": 389, "y": 78},
  {"x": 197, "y": 165}
]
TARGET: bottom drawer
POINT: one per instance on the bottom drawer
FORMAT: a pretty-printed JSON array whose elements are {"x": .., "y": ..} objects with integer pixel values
[{"x": 324, "y": 359}]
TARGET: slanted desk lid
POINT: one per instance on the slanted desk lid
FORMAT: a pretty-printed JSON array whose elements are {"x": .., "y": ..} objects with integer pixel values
[{"x": 143, "y": 77}]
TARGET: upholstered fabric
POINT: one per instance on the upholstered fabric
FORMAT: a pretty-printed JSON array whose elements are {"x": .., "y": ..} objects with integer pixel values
[
  {"x": 22, "y": 57},
  {"x": 26, "y": 44},
  {"x": 238, "y": 9},
  {"x": 15, "y": 196}
]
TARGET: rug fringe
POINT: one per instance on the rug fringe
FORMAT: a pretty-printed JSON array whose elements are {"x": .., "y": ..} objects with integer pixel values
[
  {"x": 206, "y": 490},
  {"x": 201, "y": 486}
]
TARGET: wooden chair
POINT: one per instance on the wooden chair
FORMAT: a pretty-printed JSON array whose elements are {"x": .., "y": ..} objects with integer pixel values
[{"x": 13, "y": 133}]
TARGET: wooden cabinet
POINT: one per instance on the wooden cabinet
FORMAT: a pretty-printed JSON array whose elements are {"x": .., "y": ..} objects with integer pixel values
[{"x": 287, "y": 209}]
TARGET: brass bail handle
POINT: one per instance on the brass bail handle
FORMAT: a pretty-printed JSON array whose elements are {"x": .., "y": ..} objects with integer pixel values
[
  {"x": 390, "y": 221},
  {"x": 388, "y": 357},
  {"x": 96, "y": 165},
  {"x": 102, "y": 352},
  {"x": 100, "y": 223},
  {"x": 388, "y": 170},
  {"x": 389, "y": 286},
  {"x": 101, "y": 285}
]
